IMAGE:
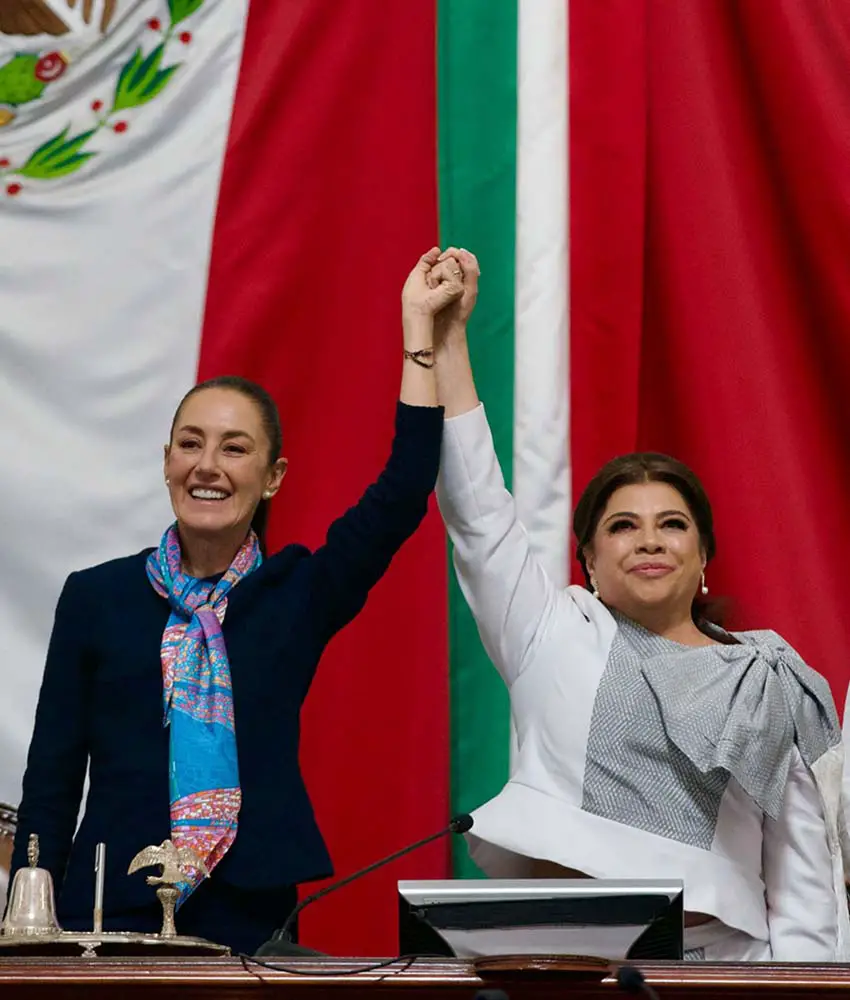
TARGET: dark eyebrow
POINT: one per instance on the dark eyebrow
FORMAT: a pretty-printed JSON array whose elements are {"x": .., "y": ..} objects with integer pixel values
[
  {"x": 674, "y": 513},
  {"x": 189, "y": 429},
  {"x": 620, "y": 513},
  {"x": 629, "y": 513}
]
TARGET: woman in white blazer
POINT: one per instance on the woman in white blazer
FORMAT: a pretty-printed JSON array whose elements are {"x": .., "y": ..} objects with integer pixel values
[{"x": 651, "y": 742}]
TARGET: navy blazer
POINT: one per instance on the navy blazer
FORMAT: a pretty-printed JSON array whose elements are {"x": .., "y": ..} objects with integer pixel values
[{"x": 101, "y": 699}]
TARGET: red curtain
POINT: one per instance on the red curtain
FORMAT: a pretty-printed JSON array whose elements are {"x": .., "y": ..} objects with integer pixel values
[
  {"x": 328, "y": 198},
  {"x": 710, "y": 240}
]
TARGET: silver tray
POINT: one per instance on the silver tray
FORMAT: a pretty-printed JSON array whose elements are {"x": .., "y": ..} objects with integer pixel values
[{"x": 88, "y": 944}]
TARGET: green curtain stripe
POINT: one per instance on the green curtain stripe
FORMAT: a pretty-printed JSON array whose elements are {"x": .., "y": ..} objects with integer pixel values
[{"x": 477, "y": 121}]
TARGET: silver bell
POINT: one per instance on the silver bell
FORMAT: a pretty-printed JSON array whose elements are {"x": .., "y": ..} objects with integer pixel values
[{"x": 32, "y": 907}]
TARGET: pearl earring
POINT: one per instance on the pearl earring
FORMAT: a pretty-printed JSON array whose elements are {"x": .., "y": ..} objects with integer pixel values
[
  {"x": 595, "y": 589},
  {"x": 167, "y": 481},
  {"x": 703, "y": 588},
  {"x": 267, "y": 494}
]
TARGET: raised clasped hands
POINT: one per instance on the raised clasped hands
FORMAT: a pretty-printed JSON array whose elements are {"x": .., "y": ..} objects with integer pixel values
[
  {"x": 459, "y": 265},
  {"x": 427, "y": 293},
  {"x": 443, "y": 283}
]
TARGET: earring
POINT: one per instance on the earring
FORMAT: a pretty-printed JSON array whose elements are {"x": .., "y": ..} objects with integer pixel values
[
  {"x": 703, "y": 589},
  {"x": 167, "y": 481},
  {"x": 595, "y": 589},
  {"x": 267, "y": 494}
]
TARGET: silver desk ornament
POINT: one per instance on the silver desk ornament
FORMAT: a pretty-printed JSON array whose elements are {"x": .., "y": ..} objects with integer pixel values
[
  {"x": 30, "y": 927},
  {"x": 174, "y": 862},
  {"x": 31, "y": 910}
]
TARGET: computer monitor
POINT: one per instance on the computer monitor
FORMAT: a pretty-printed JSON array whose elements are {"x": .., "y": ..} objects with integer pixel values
[{"x": 612, "y": 919}]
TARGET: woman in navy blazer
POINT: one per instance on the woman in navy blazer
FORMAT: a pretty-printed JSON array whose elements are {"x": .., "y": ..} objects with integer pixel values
[{"x": 102, "y": 696}]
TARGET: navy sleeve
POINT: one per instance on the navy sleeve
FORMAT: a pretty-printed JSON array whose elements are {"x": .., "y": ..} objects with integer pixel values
[
  {"x": 58, "y": 753},
  {"x": 361, "y": 543}
]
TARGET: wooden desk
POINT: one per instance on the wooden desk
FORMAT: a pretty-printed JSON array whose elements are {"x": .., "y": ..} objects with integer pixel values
[{"x": 426, "y": 979}]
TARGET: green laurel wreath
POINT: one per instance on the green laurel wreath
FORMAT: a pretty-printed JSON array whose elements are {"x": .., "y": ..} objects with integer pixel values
[{"x": 141, "y": 79}]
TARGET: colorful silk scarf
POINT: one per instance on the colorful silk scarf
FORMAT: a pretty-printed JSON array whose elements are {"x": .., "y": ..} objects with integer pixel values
[{"x": 198, "y": 703}]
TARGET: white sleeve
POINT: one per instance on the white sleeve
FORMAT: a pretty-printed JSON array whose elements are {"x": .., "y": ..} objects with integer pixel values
[
  {"x": 508, "y": 592},
  {"x": 802, "y": 912}
]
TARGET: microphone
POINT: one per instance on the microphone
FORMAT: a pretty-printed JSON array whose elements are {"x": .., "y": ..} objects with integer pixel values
[
  {"x": 631, "y": 980},
  {"x": 281, "y": 943}
]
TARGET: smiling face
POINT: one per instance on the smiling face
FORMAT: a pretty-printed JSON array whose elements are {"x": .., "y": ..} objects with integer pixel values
[
  {"x": 218, "y": 465},
  {"x": 646, "y": 553}
]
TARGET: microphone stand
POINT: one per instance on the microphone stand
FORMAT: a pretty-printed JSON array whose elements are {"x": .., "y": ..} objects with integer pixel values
[{"x": 280, "y": 944}]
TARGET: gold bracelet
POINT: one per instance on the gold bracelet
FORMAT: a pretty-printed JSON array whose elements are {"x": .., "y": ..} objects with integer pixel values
[{"x": 417, "y": 357}]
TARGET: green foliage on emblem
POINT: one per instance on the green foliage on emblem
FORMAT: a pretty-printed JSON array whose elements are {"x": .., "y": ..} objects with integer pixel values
[
  {"x": 181, "y": 9},
  {"x": 58, "y": 156},
  {"x": 141, "y": 79}
]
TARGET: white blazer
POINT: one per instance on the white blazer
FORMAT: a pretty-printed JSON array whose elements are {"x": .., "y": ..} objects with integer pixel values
[{"x": 777, "y": 880}]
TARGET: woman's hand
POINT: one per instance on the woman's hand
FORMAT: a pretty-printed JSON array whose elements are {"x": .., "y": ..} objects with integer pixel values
[
  {"x": 453, "y": 319},
  {"x": 455, "y": 384},
  {"x": 422, "y": 298},
  {"x": 452, "y": 261}
]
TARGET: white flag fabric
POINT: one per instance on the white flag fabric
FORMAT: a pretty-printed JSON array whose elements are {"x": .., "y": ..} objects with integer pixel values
[{"x": 115, "y": 116}]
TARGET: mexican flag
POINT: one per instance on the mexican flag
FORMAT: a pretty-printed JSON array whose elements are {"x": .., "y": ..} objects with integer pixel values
[{"x": 658, "y": 196}]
